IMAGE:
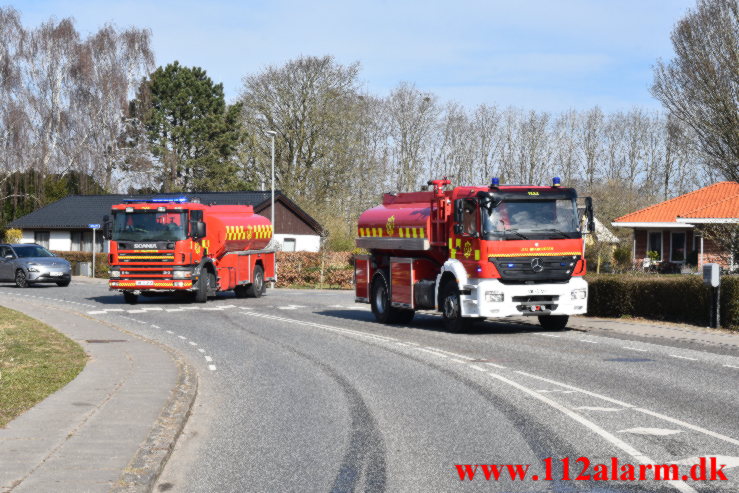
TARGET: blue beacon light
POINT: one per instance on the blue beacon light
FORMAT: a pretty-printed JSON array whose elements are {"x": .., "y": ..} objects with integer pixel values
[
  {"x": 495, "y": 182},
  {"x": 555, "y": 181}
]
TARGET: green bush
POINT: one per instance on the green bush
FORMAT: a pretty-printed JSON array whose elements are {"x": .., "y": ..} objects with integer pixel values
[
  {"x": 675, "y": 298},
  {"x": 315, "y": 269},
  {"x": 13, "y": 236},
  {"x": 101, "y": 264}
]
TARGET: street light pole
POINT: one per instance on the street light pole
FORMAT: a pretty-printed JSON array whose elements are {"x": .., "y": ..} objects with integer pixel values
[{"x": 272, "y": 134}]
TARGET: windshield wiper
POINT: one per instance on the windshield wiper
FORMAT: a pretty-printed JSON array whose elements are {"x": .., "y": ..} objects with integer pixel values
[
  {"x": 515, "y": 232},
  {"x": 553, "y": 230}
]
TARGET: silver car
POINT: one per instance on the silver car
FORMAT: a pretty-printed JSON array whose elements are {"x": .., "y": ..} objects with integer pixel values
[{"x": 28, "y": 264}]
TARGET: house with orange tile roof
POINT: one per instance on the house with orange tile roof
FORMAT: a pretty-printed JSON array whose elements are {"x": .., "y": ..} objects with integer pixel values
[{"x": 673, "y": 228}]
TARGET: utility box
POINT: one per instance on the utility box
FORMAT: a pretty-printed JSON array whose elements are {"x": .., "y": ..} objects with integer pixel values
[{"x": 711, "y": 275}]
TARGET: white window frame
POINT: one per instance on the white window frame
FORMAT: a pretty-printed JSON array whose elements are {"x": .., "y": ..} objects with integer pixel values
[
  {"x": 685, "y": 246},
  {"x": 662, "y": 245},
  {"x": 294, "y": 243}
]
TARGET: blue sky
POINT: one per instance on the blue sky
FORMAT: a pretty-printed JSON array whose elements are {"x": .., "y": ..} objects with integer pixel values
[{"x": 543, "y": 55}]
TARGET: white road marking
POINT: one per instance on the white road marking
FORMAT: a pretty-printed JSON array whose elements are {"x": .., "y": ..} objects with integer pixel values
[
  {"x": 321, "y": 326},
  {"x": 290, "y": 307},
  {"x": 192, "y": 343},
  {"x": 201, "y": 350},
  {"x": 115, "y": 310},
  {"x": 461, "y": 356},
  {"x": 591, "y": 342},
  {"x": 174, "y": 310},
  {"x": 601, "y": 409},
  {"x": 571, "y": 387},
  {"x": 212, "y": 308},
  {"x": 635, "y": 349},
  {"x": 683, "y": 357},
  {"x": 170, "y": 332},
  {"x": 208, "y": 359},
  {"x": 552, "y": 391},
  {"x": 212, "y": 367},
  {"x": 650, "y": 431},
  {"x": 547, "y": 335},
  {"x": 96, "y": 312},
  {"x": 496, "y": 366},
  {"x": 426, "y": 350},
  {"x": 688, "y": 425},
  {"x": 153, "y": 309},
  {"x": 155, "y": 326},
  {"x": 478, "y": 368},
  {"x": 614, "y": 440},
  {"x": 183, "y": 338},
  {"x": 136, "y": 311},
  {"x": 189, "y": 308},
  {"x": 732, "y": 366}
]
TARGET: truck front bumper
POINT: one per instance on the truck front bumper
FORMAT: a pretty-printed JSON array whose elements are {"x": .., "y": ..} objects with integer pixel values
[
  {"x": 151, "y": 285},
  {"x": 490, "y": 298}
]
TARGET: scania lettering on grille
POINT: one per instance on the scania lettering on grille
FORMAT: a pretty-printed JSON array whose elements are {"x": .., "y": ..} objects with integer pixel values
[{"x": 144, "y": 245}]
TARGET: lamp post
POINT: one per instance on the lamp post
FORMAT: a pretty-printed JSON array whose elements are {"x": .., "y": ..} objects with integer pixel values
[{"x": 272, "y": 134}]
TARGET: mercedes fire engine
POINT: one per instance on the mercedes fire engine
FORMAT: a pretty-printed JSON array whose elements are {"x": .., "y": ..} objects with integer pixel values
[
  {"x": 175, "y": 245},
  {"x": 475, "y": 252}
]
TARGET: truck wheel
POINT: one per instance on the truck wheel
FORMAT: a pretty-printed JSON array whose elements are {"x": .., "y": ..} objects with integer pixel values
[
  {"x": 256, "y": 288},
  {"x": 380, "y": 302},
  {"x": 130, "y": 298},
  {"x": 553, "y": 322},
  {"x": 451, "y": 309},
  {"x": 20, "y": 279},
  {"x": 205, "y": 283},
  {"x": 240, "y": 291}
]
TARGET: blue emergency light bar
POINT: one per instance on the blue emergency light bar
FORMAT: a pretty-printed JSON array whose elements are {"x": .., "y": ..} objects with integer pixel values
[
  {"x": 158, "y": 200},
  {"x": 495, "y": 183},
  {"x": 555, "y": 181}
]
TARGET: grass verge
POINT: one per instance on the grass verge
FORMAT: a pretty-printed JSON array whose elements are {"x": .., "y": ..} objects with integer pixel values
[{"x": 35, "y": 361}]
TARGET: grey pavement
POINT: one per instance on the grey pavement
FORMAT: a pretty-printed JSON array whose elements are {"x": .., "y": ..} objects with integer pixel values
[{"x": 100, "y": 431}]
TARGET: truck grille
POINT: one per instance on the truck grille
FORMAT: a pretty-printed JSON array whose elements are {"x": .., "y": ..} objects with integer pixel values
[
  {"x": 146, "y": 257},
  {"x": 535, "y": 269}
]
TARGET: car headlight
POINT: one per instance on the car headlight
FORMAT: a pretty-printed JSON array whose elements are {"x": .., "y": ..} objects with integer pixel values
[
  {"x": 494, "y": 296},
  {"x": 114, "y": 273},
  {"x": 32, "y": 269},
  {"x": 579, "y": 294},
  {"x": 181, "y": 274}
]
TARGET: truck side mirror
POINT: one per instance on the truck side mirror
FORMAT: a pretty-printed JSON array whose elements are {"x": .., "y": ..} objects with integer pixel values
[
  {"x": 589, "y": 214},
  {"x": 458, "y": 229},
  {"x": 459, "y": 210},
  {"x": 198, "y": 229},
  {"x": 107, "y": 227}
]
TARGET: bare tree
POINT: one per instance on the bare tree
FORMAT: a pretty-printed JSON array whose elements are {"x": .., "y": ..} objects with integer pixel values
[{"x": 699, "y": 86}]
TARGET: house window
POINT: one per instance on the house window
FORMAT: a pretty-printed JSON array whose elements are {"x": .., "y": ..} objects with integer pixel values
[
  {"x": 82, "y": 241},
  {"x": 288, "y": 245},
  {"x": 677, "y": 247},
  {"x": 76, "y": 237},
  {"x": 654, "y": 243},
  {"x": 41, "y": 238}
]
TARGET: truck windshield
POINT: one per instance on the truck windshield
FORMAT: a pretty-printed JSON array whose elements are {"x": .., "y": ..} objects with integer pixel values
[
  {"x": 522, "y": 219},
  {"x": 138, "y": 226}
]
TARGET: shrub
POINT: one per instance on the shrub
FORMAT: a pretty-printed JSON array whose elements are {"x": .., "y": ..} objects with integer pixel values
[
  {"x": 622, "y": 258},
  {"x": 315, "y": 269},
  {"x": 676, "y": 298},
  {"x": 101, "y": 264},
  {"x": 13, "y": 236}
]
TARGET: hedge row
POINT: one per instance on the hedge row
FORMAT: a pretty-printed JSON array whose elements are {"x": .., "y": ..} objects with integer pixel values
[
  {"x": 675, "y": 298},
  {"x": 315, "y": 269},
  {"x": 101, "y": 264}
]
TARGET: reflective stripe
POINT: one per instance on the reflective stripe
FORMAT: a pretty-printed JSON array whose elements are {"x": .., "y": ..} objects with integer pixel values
[
  {"x": 477, "y": 254},
  {"x": 459, "y": 242},
  {"x": 534, "y": 254},
  {"x": 453, "y": 253}
]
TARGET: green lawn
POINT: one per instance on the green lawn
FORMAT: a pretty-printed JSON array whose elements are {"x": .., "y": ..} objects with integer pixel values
[{"x": 35, "y": 361}]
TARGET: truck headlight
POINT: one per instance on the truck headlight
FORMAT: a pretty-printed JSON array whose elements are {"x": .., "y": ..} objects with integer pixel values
[
  {"x": 494, "y": 296},
  {"x": 114, "y": 273},
  {"x": 579, "y": 294},
  {"x": 181, "y": 274}
]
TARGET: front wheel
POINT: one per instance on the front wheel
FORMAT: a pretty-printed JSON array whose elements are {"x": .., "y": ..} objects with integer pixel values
[
  {"x": 20, "y": 279},
  {"x": 553, "y": 322},
  {"x": 381, "y": 307},
  {"x": 451, "y": 308},
  {"x": 63, "y": 284},
  {"x": 256, "y": 288},
  {"x": 204, "y": 286}
]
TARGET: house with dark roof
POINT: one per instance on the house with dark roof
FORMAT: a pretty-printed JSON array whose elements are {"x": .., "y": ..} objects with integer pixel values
[
  {"x": 672, "y": 228},
  {"x": 65, "y": 224}
]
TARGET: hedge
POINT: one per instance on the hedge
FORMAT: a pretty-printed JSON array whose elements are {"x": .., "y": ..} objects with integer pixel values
[
  {"x": 101, "y": 264},
  {"x": 675, "y": 298},
  {"x": 315, "y": 269}
]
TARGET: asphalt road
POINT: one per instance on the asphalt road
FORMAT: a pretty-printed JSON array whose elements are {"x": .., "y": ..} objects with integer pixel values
[{"x": 303, "y": 391}]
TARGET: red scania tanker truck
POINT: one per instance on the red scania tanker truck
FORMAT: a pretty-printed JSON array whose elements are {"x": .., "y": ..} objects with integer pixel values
[
  {"x": 170, "y": 244},
  {"x": 475, "y": 252}
]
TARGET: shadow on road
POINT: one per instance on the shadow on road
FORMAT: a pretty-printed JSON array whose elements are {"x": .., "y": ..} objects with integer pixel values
[{"x": 435, "y": 323}]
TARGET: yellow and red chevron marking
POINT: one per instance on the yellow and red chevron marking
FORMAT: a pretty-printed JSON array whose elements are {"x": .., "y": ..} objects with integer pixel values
[
  {"x": 260, "y": 231},
  {"x": 402, "y": 232},
  {"x": 157, "y": 284}
]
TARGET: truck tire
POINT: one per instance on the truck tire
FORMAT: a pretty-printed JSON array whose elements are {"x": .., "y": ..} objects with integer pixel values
[
  {"x": 205, "y": 284},
  {"x": 256, "y": 288},
  {"x": 451, "y": 309},
  {"x": 380, "y": 301},
  {"x": 553, "y": 322},
  {"x": 240, "y": 291},
  {"x": 130, "y": 298}
]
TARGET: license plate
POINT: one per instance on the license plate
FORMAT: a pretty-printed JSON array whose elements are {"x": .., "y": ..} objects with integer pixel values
[
  {"x": 144, "y": 283},
  {"x": 55, "y": 274}
]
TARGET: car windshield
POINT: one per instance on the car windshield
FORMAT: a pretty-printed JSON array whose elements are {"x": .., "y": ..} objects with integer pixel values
[
  {"x": 32, "y": 251},
  {"x": 138, "y": 226},
  {"x": 549, "y": 218}
]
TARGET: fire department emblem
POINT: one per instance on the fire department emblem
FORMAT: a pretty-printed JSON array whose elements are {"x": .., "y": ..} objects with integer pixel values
[
  {"x": 390, "y": 226},
  {"x": 248, "y": 233},
  {"x": 467, "y": 249}
]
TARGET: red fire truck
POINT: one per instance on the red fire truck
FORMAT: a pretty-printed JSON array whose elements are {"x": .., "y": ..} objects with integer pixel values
[
  {"x": 170, "y": 244},
  {"x": 474, "y": 252}
]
